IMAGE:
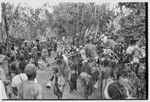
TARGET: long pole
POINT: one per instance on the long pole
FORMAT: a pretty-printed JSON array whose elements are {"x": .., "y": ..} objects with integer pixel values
[{"x": 6, "y": 25}]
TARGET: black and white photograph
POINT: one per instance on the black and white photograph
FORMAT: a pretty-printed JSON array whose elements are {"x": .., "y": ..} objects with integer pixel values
[{"x": 73, "y": 50}]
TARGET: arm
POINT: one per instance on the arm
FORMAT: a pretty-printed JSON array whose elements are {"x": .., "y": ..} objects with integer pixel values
[
  {"x": 2, "y": 75},
  {"x": 109, "y": 81},
  {"x": 14, "y": 86},
  {"x": 15, "y": 91}
]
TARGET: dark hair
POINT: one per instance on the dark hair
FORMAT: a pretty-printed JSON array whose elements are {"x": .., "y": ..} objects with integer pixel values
[
  {"x": 88, "y": 41},
  {"x": 116, "y": 91},
  {"x": 37, "y": 40},
  {"x": 12, "y": 58},
  {"x": 8, "y": 54},
  {"x": 31, "y": 76},
  {"x": 14, "y": 68},
  {"x": 22, "y": 66},
  {"x": 59, "y": 61},
  {"x": 21, "y": 58},
  {"x": 56, "y": 70},
  {"x": 12, "y": 48},
  {"x": 113, "y": 64},
  {"x": 106, "y": 63}
]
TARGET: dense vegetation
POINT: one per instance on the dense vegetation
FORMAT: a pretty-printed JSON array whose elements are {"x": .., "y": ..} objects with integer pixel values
[{"x": 78, "y": 22}]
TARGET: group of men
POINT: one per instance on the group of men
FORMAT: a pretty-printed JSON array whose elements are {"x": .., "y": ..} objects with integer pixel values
[
  {"x": 19, "y": 68},
  {"x": 85, "y": 64}
]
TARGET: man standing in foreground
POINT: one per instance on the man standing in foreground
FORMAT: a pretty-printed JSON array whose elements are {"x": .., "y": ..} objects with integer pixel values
[{"x": 29, "y": 89}]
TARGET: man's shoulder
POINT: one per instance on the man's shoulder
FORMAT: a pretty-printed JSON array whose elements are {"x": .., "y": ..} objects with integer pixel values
[
  {"x": 22, "y": 75},
  {"x": 18, "y": 76},
  {"x": 15, "y": 77}
]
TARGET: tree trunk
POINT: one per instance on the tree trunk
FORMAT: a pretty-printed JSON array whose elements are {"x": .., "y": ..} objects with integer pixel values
[{"x": 5, "y": 23}]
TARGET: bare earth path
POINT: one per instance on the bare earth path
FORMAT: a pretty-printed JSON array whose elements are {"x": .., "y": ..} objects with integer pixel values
[{"x": 43, "y": 77}]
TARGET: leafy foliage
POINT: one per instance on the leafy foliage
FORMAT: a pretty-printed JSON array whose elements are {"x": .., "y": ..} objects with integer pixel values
[{"x": 74, "y": 23}]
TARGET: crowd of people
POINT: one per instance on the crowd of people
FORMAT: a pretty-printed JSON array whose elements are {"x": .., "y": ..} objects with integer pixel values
[{"x": 95, "y": 64}]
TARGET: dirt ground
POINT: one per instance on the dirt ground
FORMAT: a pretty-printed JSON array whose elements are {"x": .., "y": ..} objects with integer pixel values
[{"x": 43, "y": 78}]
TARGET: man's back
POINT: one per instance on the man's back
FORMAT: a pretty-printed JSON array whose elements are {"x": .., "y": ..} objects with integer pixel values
[
  {"x": 30, "y": 90},
  {"x": 18, "y": 79}
]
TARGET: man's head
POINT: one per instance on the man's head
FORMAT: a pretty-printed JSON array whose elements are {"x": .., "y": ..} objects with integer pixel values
[
  {"x": 21, "y": 58},
  {"x": 30, "y": 71},
  {"x": 14, "y": 68},
  {"x": 117, "y": 91},
  {"x": 12, "y": 48},
  {"x": 22, "y": 66},
  {"x": 44, "y": 53},
  {"x": 56, "y": 71},
  {"x": 106, "y": 63},
  {"x": 13, "y": 59},
  {"x": 88, "y": 41}
]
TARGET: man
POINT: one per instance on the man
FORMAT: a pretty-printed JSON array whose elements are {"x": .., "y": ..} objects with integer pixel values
[
  {"x": 3, "y": 62},
  {"x": 73, "y": 78},
  {"x": 2, "y": 72},
  {"x": 59, "y": 84},
  {"x": 29, "y": 89},
  {"x": 14, "y": 65},
  {"x": 34, "y": 54},
  {"x": 18, "y": 79},
  {"x": 13, "y": 51},
  {"x": 116, "y": 90},
  {"x": 60, "y": 66},
  {"x": 105, "y": 73},
  {"x": 3, "y": 81},
  {"x": 3, "y": 91},
  {"x": 38, "y": 47},
  {"x": 91, "y": 50},
  {"x": 26, "y": 50},
  {"x": 49, "y": 46}
]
